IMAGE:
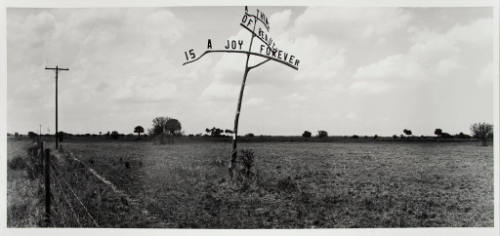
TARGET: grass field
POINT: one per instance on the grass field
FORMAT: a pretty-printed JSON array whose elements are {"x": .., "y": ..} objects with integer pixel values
[{"x": 297, "y": 185}]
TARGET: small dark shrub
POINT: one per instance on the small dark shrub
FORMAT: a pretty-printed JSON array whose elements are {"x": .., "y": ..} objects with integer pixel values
[
  {"x": 17, "y": 163},
  {"x": 115, "y": 135},
  {"x": 322, "y": 134},
  {"x": 247, "y": 158},
  {"x": 32, "y": 135}
]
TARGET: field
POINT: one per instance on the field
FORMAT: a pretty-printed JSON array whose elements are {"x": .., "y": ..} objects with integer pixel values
[{"x": 296, "y": 185}]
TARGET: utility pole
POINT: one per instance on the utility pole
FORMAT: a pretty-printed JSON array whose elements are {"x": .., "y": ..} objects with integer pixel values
[
  {"x": 258, "y": 25},
  {"x": 57, "y": 69}
]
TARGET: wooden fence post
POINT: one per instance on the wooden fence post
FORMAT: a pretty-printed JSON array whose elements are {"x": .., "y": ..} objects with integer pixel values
[
  {"x": 47, "y": 187},
  {"x": 41, "y": 153}
]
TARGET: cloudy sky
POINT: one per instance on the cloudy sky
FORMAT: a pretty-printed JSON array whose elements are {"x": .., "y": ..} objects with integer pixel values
[{"x": 362, "y": 70}]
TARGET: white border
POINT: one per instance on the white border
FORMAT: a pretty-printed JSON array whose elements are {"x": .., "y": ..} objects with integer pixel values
[{"x": 163, "y": 3}]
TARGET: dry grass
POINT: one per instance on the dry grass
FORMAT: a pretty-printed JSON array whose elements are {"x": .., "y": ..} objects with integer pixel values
[
  {"x": 296, "y": 185},
  {"x": 24, "y": 197}
]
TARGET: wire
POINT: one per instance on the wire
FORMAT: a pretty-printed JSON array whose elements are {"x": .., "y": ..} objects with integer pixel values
[
  {"x": 79, "y": 201},
  {"x": 65, "y": 199}
]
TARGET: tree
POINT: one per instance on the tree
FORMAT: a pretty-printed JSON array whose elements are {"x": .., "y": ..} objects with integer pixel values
[
  {"x": 115, "y": 134},
  {"x": 407, "y": 132},
  {"x": 482, "y": 131},
  {"x": 139, "y": 129},
  {"x": 306, "y": 134},
  {"x": 214, "y": 132},
  {"x": 163, "y": 124},
  {"x": 462, "y": 135},
  {"x": 159, "y": 125},
  {"x": 322, "y": 134},
  {"x": 438, "y": 132},
  {"x": 249, "y": 135},
  {"x": 173, "y": 126},
  {"x": 32, "y": 135}
]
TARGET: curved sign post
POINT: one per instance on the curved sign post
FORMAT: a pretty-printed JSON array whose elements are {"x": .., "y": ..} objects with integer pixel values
[{"x": 258, "y": 26}]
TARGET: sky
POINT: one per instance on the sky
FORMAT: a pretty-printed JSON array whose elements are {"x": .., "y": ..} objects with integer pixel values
[{"x": 362, "y": 70}]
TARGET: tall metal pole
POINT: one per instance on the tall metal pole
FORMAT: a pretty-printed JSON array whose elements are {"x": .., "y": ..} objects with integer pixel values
[
  {"x": 57, "y": 69},
  {"x": 234, "y": 153}
]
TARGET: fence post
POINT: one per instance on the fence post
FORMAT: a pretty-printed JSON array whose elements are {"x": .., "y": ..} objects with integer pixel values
[
  {"x": 41, "y": 153},
  {"x": 47, "y": 187}
]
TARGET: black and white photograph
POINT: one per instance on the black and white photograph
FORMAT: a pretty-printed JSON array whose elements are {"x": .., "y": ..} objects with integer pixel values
[{"x": 251, "y": 116}]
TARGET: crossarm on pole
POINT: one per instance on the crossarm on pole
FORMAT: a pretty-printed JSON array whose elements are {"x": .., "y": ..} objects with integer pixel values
[
  {"x": 242, "y": 52},
  {"x": 56, "y": 68}
]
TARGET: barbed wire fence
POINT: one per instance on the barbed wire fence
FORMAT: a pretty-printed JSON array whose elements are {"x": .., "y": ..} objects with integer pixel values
[{"x": 74, "y": 195}]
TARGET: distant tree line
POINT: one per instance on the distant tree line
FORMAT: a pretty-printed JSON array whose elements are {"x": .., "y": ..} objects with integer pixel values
[{"x": 166, "y": 126}]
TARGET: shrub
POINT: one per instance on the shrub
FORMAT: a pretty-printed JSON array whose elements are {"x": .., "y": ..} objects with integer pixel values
[
  {"x": 482, "y": 131},
  {"x": 306, "y": 134},
  {"x": 32, "y": 135},
  {"x": 247, "y": 158},
  {"x": 17, "y": 163},
  {"x": 322, "y": 134},
  {"x": 115, "y": 135}
]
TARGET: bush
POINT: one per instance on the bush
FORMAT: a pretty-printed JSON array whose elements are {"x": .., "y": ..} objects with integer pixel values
[
  {"x": 482, "y": 131},
  {"x": 322, "y": 134},
  {"x": 32, "y": 135},
  {"x": 247, "y": 158},
  {"x": 306, "y": 134},
  {"x": 115, "y": 135},
  {"x": 17, "y": 163}
]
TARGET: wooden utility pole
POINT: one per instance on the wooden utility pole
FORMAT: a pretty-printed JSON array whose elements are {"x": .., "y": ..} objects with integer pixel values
[{"x": 57, "y": 69}]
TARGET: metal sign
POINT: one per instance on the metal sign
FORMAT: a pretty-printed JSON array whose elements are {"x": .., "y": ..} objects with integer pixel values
[{"x": 258, "y": 26}]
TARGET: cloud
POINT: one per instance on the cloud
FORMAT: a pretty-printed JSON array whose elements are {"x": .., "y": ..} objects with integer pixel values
[
  {"x": 280, "y": 21},
  {"x": 217, "y": 90},
  {"x": 351, "y": 23},
  {"x": 432, "y": 56},
  {"x": 127, "y": 63},
  {"x": 396, "y": 67},
  {"x": 486, "y": 76},
  {"x": 254, "y": 101}
]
